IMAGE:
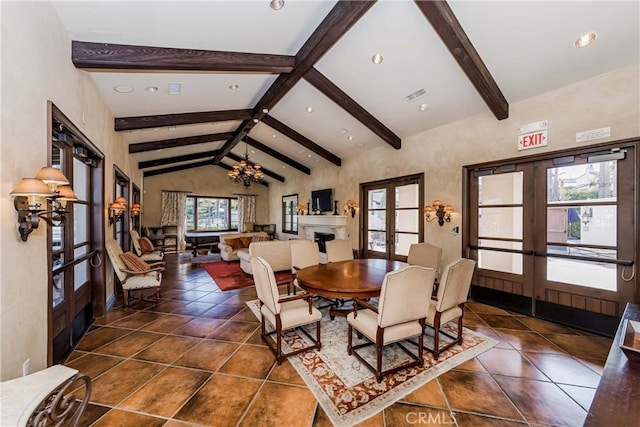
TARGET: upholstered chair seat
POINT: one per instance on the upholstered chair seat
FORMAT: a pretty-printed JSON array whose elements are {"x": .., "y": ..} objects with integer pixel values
[{"x": 144, "y": 247}]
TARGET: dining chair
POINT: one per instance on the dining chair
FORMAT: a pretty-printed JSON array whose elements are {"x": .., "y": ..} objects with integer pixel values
[
  {"x": 399, "y": 316},
  {"x": 338, "y": 250},
  {"x": 144, "y": 248},
  {"x": 134, "y": 273},
  {"x": 283, "y": 312},
  {"x": 304, "y": 253},
  {"x": 425, "y": 255},
  {"x": 449, "y": 302}
]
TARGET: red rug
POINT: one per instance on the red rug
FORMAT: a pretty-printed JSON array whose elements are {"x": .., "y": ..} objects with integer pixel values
[{"x": 228, "y": 275}]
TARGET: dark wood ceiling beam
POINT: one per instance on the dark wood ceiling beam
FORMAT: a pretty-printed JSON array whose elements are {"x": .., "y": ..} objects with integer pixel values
[
  {"x": 302, "y": 140},
  {"x": 141, "y": 147},
  {"x": 267, "y": 172},
  {"x": 337, "y": 22},
  {"x": 120, "y": 57},
  {"x": 176, "y": 159},
  {"x": 177, "y": 168},
  {"x": 277, "y": 155},
  {"x": 445, "y": 23},
  {"x": 162, "y": 120},
  {"x": 337, "y": 95}
]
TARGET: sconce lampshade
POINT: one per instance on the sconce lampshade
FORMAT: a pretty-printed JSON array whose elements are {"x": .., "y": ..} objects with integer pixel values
[
  {"x": 448, "y": 208},
  {"x": 115, "y": 206},
  {"x": 52, "y": 176},
  {"x": 31, "y": 187},
  {"x": 66, "y": 193},
  {"x": 120, "y": 200}
]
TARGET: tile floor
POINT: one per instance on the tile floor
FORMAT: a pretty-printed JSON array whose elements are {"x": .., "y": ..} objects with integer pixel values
[{"x": 196, "y": 358}]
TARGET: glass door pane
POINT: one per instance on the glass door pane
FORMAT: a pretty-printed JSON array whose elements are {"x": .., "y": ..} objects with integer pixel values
[{"x": 377, "y": 220}]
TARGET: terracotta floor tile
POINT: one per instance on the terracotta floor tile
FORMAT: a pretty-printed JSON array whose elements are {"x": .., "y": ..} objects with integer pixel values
[
  {"x": 582, "y": 395},
  {"x": 564, "y": 369},
  {"x": 256, "y": 338},
  {"x": 279, "y": 405},
  {"x": 122, "y": 380},
  {"x": 234, "y": 331},
  {"x": 192, "y": 295},
  {"x": 503, "y": 322},
  {"x": 429, "y": 395},
  {"x": 92, "y": 413},
  {"x": 471, "y": 420},
  {"x": 285, "y": 373},
  {"x": 172, "y": 293},
  {"x": 401, "y": 414},
  {"x": 214, "y": 298},
  {"x": 321, "y": 419},
  {"x": 167, "y": 392},
  {"x": 137, "y": 320},
  {"x": 209, "y": 355},
  {"x": 167, "y": 350},
  {"x": 205, "y": 407},
  {"x": 596, "y": 365},
  {"x": 529, "y": 341},
  {"x": 545, "y": 327},
  {"x": 478, "y": 307},
  {"x": 542, "y": 402},
  {"x": 174, "y": 423},
  {"x": 199, "y": 327},
  {"x": 501, "y": 361},
  {"x": 211, "y": 287},
  {"x": 492, "y": 333},
  {"x": 471, "y": 365},
  {"x": 113, "y": 316},
  {"x": 169, "y": 306},
  {"x": 100, "y": 337},
  {"x": 167, "y": 324},
  {"x": 250, "y": 361},
  {"x": 193, "y": 308},
  {"x": 590, "y": 347},
  {"x": 246, "y": 315},
  {"x": 93, "y": 365},
  {"x": 376, "y": 420},
  {"x": 117, "y": 417},
  {"x": 472, "y": 319},
  {"x": 129, "y": 344},
  {"x": 223, "y": 311},
  {"x": 473, "y": 392},
  {"x": 74, "y": 355}
]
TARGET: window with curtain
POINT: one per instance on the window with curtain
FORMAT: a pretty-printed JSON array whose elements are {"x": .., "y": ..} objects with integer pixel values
[
  {"x": 290, "y": 214},
  {"x": 211, "y": 213}
]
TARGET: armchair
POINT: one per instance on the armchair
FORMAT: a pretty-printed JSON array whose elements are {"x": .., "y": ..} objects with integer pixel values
[
  {"x": 282, "y": 312},
  {"x": 145, "y": 252},
  {"x": 449, "y": 302},
  {"x": 134, "y": 274},
  {"x": 399, "y": 316}
]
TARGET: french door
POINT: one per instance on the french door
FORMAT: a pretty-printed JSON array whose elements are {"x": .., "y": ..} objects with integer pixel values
[
  {"x": 556, "y": 237},
  {"x": 392, "y": 216}
]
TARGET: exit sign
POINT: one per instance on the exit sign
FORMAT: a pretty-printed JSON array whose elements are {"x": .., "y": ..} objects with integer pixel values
[{"x": 533, "y": 135}]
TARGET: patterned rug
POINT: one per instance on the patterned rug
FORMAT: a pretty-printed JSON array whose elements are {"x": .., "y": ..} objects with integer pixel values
[
  {"x": 229, "y": 275},
  {"x": 346, "y": 389}
]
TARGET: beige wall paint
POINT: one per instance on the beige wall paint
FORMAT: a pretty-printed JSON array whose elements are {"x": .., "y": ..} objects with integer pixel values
[
  {"x": 612, "y": 99},
  {"x": 36, "y": 67},
  {"x": 203, "y": 181}
]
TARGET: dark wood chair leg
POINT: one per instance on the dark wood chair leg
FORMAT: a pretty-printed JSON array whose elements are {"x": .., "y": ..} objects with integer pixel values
[
  {"x": 278, "y": 340},
  {"x": 125, "y": 295},
  {"x": 318, "y": 343},
  {"x": 436, "y": 336},
  {"x": 349, "y": 339},
  {"x": 379, "y": 347}
]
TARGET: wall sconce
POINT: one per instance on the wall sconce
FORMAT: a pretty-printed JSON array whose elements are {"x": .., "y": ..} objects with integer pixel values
[
  {"x": 50, "y": 184},
  {"x": 440, "y": 211},
  {"x": 135, "y": 209},
  {"x": 350, "y": 207},
  {"x": 300, "y": 209},
  {"x": 117, "y": 209}
]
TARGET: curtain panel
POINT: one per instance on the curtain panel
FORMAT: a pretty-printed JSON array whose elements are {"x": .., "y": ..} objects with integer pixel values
[
  {"x": 246, "y": 211},
  {"x": 174, "y": 204}
]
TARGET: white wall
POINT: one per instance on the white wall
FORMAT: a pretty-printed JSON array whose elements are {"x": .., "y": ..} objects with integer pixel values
[
  {"x": 36, "y": 67},
  {"x": 612, "y": 99}
]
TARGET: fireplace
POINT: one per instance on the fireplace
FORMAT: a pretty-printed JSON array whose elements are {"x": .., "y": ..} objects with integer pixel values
[{"x": 321, "y": 239}]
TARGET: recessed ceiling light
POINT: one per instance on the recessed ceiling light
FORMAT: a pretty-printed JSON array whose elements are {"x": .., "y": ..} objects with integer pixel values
[
  {"x": 276, "y": 4},
  {"x": 123, "y": 89},
  {"x": 274, "y": 136},
  {"x": 309, "y": 155},
  {"x": 350, "y": 138},
  {"x": 585, "y": 39},
  {"x": 151, "y": 89},
  {"x": 175, "y": 88},
  {"x": 265, "y": 110},
  {"x": 423, "y": 107},
  {"x": 234, "y": 87},
  {"x": 377, "y": 58},
  {"x": 253, "y": 151},
  {"x": 284, "y": 167},
  {"x": 359, "y": 144},
  {"x": 171, "y": 128},
  {"x": 159, "y": 150},
  {"x": 309, "y": 110},
  {"x": 255, "y": 120},
  {"x": 156, "y": 129}
]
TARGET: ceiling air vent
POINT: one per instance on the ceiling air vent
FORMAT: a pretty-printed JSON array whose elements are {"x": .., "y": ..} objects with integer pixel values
[{"x": 415, "y": 95}]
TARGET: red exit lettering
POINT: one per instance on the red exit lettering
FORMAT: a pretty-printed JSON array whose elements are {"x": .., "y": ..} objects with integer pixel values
[{"x": 533, "y": 139}]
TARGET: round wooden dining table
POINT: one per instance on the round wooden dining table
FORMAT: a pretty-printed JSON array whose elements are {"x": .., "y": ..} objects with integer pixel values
[{"x": 358, "y": 278}]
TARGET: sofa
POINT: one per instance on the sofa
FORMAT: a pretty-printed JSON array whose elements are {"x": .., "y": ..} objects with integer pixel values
[
  {"x": 231, "y": 243},
  {"x": 276, "y": 252}
]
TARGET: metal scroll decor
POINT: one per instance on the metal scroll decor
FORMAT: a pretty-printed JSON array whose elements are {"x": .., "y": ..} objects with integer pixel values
[{"x": 60, "y": 408}]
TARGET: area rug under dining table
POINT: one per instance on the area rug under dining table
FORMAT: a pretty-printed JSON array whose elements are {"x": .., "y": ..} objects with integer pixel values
[
  {"x": 347, "y": 391},
  {"x": 229, "y": 275}
]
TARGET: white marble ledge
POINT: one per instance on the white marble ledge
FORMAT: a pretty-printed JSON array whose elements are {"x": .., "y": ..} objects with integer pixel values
[{"x": 21, "y": 396}]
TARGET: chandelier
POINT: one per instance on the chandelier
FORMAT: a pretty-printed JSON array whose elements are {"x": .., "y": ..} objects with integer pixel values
[{"x": 246, "y": 172}]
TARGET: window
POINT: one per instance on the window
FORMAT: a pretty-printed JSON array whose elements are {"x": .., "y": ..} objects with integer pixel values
[
  {"x": 290, "y": 214},
  {"x": 211, "y": 213}
]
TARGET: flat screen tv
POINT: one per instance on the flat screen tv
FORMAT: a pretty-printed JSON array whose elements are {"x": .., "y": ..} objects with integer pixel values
[{"x": 322, "y": 200}]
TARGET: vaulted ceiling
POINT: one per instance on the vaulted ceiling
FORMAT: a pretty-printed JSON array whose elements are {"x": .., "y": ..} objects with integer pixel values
[{"x": 251, "y": 74}]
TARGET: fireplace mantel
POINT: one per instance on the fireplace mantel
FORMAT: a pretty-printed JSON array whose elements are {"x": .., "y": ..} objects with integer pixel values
[{"x": 310, "y": 224}]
